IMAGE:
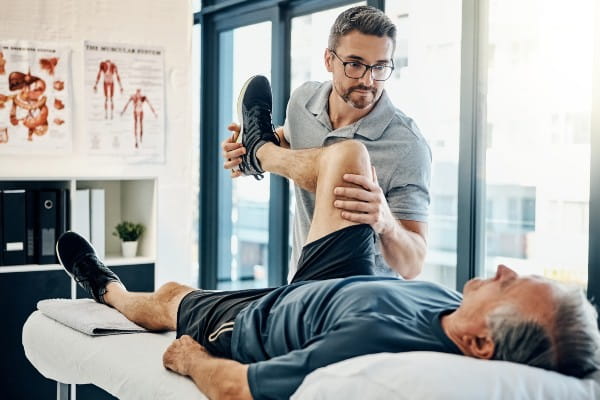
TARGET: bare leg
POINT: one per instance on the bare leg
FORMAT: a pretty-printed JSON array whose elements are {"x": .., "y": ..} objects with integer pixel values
[
  {"x": 319, "y": 170},
  {"x": 300, "y": 166},
  {"x": 141, "y": 118},
  {"x": 106, "y": 96},
  {"x": 154, "y": 311},
  {"x": 111, "y": 90},
  {"x": 347, "y": 157},
  {"x": 135, "y": 128}
]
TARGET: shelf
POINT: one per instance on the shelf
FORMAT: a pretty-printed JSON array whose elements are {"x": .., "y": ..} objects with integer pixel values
[
  {"x": 127, "y": 199},
  {"x": 110, "y": 261}
]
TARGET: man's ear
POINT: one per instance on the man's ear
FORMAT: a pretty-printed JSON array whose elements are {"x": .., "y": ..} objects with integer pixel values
[
  {"x": 481, "y": 346},
  {"x": 328, "y": 61}
]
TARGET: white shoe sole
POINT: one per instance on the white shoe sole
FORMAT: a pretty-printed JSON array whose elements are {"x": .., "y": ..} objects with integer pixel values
[{"x": 240, "y": 115}]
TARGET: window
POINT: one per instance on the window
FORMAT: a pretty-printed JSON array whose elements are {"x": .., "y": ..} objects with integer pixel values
[
  {"x": 537, "y": 113},
  {"x": 524, "y": 170},
  {"x": 196, "y": 145},
  {"x": 309, "y": 41},
  {"x": 426, "y": 86},
  {"x": 244, "y": 202}
]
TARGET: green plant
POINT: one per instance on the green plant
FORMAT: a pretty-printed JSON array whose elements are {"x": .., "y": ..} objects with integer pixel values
[{"x": 128, "y": 231}]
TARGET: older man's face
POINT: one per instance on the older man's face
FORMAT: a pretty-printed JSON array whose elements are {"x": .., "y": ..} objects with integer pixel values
[{"x": 532, "y": 295}]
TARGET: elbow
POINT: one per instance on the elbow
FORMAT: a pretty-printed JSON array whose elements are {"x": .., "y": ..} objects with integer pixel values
[
  {"x": 412, "y": 271},
  {"x": 411, "y": 266}
]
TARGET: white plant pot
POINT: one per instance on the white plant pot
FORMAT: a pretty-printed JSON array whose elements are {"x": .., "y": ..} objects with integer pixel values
[{"x": 129, "y": 249}]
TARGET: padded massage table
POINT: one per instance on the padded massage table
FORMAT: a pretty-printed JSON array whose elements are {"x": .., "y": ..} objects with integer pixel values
[{"x": 129, "y": 366}]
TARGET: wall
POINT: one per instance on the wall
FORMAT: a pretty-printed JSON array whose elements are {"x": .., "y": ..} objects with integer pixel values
[{"x": 161, "y": 23}]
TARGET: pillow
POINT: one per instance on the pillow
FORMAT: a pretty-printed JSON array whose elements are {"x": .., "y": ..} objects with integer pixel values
[{"x": 430, "y": 375}]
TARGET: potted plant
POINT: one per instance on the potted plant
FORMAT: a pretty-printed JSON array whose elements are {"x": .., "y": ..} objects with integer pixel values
[{"x": 129, "y": 233}]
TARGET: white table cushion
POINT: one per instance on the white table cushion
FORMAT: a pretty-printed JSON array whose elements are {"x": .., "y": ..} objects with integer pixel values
[{"x": 127, "y": 366}]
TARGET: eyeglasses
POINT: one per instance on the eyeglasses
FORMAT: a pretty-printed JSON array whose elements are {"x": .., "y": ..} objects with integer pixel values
[{"x": 356, "y": 69}]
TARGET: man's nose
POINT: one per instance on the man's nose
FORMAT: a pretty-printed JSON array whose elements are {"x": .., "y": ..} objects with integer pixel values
[
  {"x": 367, "y": 79},
  {"x": 505, "y": 272}
]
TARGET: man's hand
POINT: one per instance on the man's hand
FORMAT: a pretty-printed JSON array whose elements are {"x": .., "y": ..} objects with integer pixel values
[
  {"x": 232, "y": 151},
  {"x": 181, "y": 352},
  {"x": 217, "y": 378},
  {"x": 365, "y": 204}
]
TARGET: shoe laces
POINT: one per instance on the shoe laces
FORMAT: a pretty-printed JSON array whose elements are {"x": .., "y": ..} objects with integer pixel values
[
  {"x": 84, "y": 267},
  {"x": 259, "y": 121},
  {"x": 259, "y": 128}
]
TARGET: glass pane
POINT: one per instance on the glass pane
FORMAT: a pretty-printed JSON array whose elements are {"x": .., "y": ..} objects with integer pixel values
[
  {"x": 243, "y": 202},
  {"x": 196, "y": 5},
  {"x": 538, "y": 59},
  {"x": 309, "y": 41},
  {"x": 426, "y": 86},
  {"x": 195, "y": 146}
]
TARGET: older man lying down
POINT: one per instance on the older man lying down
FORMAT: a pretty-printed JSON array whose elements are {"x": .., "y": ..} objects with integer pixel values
[{"x": 261, "y": 343}]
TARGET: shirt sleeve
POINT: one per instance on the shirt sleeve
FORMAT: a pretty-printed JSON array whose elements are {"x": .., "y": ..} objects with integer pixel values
[
  {"x": 408, "y": 196},
  {"x": 279, "y": 377}
]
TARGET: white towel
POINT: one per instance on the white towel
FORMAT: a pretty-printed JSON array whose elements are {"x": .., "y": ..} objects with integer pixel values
[{"x": 88, "y": 316}]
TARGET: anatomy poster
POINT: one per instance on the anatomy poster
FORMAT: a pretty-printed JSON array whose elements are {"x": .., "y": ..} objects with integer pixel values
[
  {"x": 125, "y": 105},
  {"x": 35, "y": 98}
]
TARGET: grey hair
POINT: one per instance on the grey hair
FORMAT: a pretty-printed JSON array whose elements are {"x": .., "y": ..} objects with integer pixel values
[
  {"x": 364, "y": 19},
  {"x": 570, "y": 347}
]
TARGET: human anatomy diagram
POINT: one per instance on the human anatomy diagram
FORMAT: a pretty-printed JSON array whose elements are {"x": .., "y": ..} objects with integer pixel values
[
  {"x": 28, "y": 105},
  {"x": 109, "y": 72},
  {"x": 138, "y": 100}
]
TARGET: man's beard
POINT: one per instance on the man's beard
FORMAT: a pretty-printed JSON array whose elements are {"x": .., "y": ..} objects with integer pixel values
[{"x": 362, "y": 104}]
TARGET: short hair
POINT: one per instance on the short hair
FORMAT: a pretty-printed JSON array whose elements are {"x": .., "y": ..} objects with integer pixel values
[
  {"x": 364, "y": 19},
  {"x": 570, "y": 347}
]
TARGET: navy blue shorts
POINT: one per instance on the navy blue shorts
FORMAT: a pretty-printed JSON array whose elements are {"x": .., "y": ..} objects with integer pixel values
[{"x": 209, "y": 316}]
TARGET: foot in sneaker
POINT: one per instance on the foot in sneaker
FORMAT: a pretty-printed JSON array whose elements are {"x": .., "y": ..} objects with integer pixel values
[
  {"x": 79, "y": 259},
  {"x": 254, "y": 113}
]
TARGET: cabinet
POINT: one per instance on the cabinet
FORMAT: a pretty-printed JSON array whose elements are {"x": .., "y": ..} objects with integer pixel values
[{"x": 22, "y": 286}]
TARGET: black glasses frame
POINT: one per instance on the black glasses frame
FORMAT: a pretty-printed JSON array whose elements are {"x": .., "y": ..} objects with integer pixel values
[{"x": 367, "y": 68}]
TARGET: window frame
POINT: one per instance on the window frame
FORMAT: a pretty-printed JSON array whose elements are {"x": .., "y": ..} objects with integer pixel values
[{"x": 216, "y": 16}]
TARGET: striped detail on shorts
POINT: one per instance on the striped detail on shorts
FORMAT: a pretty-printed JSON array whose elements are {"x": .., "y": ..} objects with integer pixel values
[{"x": 225, "y": 327}]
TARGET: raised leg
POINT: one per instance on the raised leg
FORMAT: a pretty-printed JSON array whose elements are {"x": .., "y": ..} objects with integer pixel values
[
  {"x": 319, "y": 170},
  {"x": 154, "y": 311}
]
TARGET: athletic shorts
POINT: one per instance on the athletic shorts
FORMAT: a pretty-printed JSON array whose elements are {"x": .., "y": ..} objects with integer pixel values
[{"x": 209, "y": 316}]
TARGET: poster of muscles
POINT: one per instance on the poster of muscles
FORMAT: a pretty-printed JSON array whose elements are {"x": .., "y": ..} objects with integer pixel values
[
  {"x": 125, "y": 105},
  {"x": 35, "y": 98}
]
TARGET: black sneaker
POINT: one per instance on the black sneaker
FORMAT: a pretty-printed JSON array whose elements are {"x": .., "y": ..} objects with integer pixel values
[
  {"x": 254, "y": 112},
  {"x": 79, "y": 259}
]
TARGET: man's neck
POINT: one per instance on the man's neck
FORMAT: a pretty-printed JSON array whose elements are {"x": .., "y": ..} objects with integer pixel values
[
  {"x": 450, "y": 326},
  {"x": 343, "y": 114}
]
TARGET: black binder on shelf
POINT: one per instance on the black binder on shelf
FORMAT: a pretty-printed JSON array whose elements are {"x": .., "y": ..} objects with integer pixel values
[
  {"x": 47, "y": 226},
  {"x": 31, "y": 215},
  {"x": 1, "y": 229},
  {"x": 64, "y": 220},
  {"x": 13, "y": 227}
]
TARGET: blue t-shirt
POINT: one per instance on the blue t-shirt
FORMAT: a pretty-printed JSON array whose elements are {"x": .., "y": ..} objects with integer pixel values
[{"x": 298, "y": 328}]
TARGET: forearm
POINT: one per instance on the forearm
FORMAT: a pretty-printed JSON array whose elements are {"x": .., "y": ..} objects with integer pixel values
[
  {"x": 403, "y": 250},
  {"x": 219, "y": 378}
]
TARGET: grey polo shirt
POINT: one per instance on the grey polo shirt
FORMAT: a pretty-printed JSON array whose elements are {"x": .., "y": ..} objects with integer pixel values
[{"x": 400, "y": 154}]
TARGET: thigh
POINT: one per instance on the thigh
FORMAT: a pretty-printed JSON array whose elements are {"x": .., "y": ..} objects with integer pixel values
[
  {"x": 347, "y": 252},
  {"x": 209, "y": 316}
]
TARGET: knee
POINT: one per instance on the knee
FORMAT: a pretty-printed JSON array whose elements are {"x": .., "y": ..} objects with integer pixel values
[
  {"x": 169, "y": 291},
  {"x": 349, "y": 154}
]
